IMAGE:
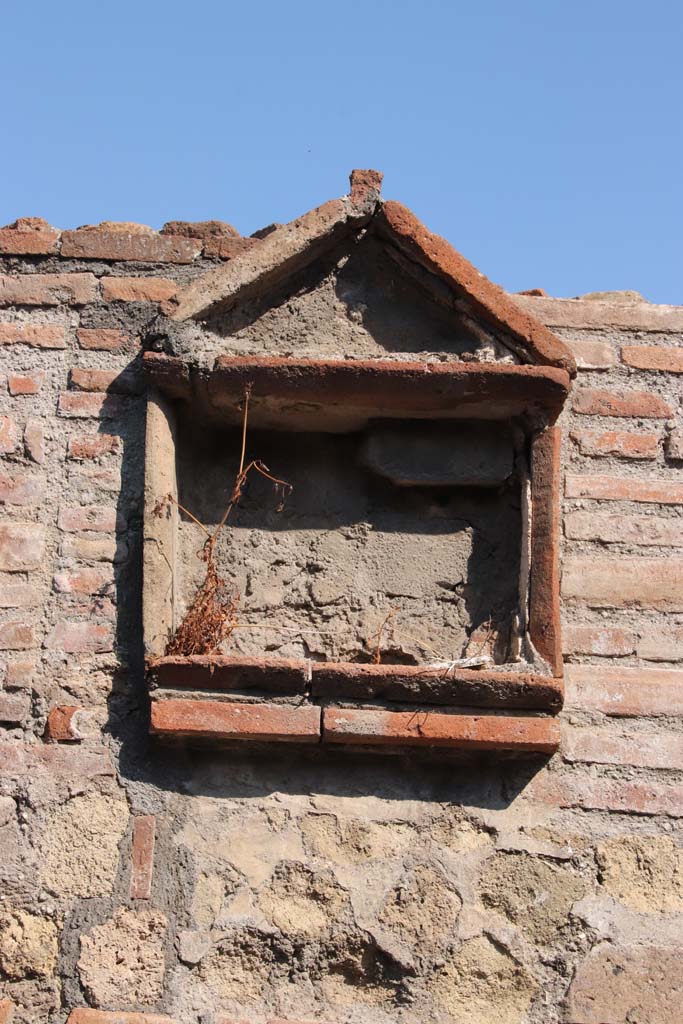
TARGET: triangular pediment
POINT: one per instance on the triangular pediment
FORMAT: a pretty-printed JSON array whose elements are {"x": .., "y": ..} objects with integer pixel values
[{"x": 362, "y": 278}]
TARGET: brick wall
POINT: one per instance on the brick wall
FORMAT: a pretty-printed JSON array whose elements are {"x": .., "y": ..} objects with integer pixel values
[{"x": 197, "y": 886}]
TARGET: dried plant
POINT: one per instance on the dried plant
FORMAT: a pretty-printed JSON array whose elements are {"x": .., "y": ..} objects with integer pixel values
[{"x": 212, "y": 615}]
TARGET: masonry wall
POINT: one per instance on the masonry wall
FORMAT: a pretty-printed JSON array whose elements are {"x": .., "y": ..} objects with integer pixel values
[{"x": 198, "y": 886}]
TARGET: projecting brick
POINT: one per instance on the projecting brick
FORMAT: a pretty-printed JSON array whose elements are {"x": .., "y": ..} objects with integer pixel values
[
  {"x": 93, "y": 243},
  {"x": 653, "y": 357},
  {"x": 591, "y": 355},
  {"x": 624, "y": 691},
  {"x": 432, "y": 729},
  {"x": 612, "y": 528},
  {"x": 21, "y": 488},
  {"x": 29, "y": 236},
  {"x": 594, "y": 402},
  {"x": 599, "y": 640},
  {"x": 590, "y": 745},
  {"x": 81, "y": 637},
  {"x": 16, "y": 635},
  {"x": 625, "y": 582},
  {"x": 24, "y": 384},
  {"x": 15, "y": 708},
  {"x": 93, "y": 446},
  {"x": 83, "y": 581},
  {"x": 615, "y": 488},
  {"x": 82, "y": 405},
  {"x": 597, "y": 793},
  {"x": 219, "y": 720},
  {"x": 124, "y": 382},
  {"x": 101, "y": 339},
  {"x": 34, "y": 441},
  {"x": 142, "y": 856},
  {"x": 100, "y": 518},
  {"x": 9, "y": 435},
  {"x": 138, "y": 289},
  {"x": 22, "y": 546},
  {"x": 34, "y": 335},
  {"x": 47, "y": 289},
  {"x": 618, "y": 443}
]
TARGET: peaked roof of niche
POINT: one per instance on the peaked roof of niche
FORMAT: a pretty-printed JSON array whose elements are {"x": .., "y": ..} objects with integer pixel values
[{"x": 291, "y": 247}]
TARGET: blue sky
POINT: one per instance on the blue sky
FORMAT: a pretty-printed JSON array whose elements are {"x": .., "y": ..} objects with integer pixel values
[{"x": 543, "y": 139}]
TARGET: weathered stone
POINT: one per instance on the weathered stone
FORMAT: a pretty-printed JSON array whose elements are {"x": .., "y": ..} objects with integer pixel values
[
  {"x": 28, "y": 945},
  {"x": 482, "y": 984},
  {"x": 297, "y": 901},
  {"x": 639, "y": 985},
  {"x": 422, "y": 910},
  {"x": 79, "y": 843},
  {"x": 643, "y": 872},
  {"x": 122, "y": 960}
]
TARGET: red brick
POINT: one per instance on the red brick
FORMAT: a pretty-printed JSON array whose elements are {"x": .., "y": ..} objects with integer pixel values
[
  {"x": 202, "y": 229},
  {"x": 47, "y": 289},
  {"x": 83, "y": 581},
  {"x": 20, "y": 672},
  {"x": 674, "y": 445},
  {"x": 662, "y": 644},
  {"x": 87, "y": 1016},
  {"x": 35, "y": 335},
  {"x": 24, "y": 384},
  {"x": 15, "y": 708},
  {"x": 81, "y": 405},
  {"x": 228, "y": 248},
  {"x": 625, "y": 582},
  {"x": 618, "y": 443},
  {"x": 93, "y": 446},
  {"x": 598, "y": 793},
  {"x": 591, "y": 355},
  {"x": 592, "y": 314},
  {"x": 29, "y": 236},
  {"x": 615, "y": 488},
  {"x": 628, "y": 985},
  {"x": 434, "y": 729},
  {"x": 599, "y": 640},
  {"x": 101, "y": 339},
  {"x": 34, "y": 441},
  {"x": 9, "y": 435},
  {"x": 59, "y": 726},
  {"x": 653, "y": 357},
  {"x": 16, "y": 635},
  {"x": 365, "y": 184},
  {"x": 591, "y": 745},
  {"x": 93, "y": 243},
  {"x": 625, "y": 691},
  {"x": 18, "y": 594},
  {"x": 6, "y": 1011},
  {"x": 594, "y": 402},
  {"x": 26, "y": 760},
  {"x": 22, "y": 546},
  {"x": 81, "y": 637},
  {"x": 21, "y": 488},
  {"x": 123, "y": 382},
  {"x": 100, "y": 518},
  {"x": 93, "y": 549},
  {"x": 138, "y": 289},
  {"x": 613, "y": 528},
  {"x": 142, "y": 857},
  {"x": 226, "y": 720}
]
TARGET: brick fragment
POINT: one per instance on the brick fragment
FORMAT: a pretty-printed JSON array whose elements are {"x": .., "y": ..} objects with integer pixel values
[
  {"x": 93, "y": 404},
  {"x": 24, "y": 760},
  {"x": 6, "y": 1011},
  {"x": 662, "y": 644},
  {"x": 81, "y": 637},
  {"x": 34, "y": 441},
  {"x": 25, "y": 384},
  {"x": 615, "y": 488},
  {"x": 87, "y": 1016},
  {"x": 101, "y": 339},
  {"x": 655, "y": 583},
  {"x": 599, "y": 640},
  {"x": 596, "y": 793},
  {"x": 22, "y": 546},
  {"x": 203, "y": 229},
  {"x": 93, "y": 549},
  {"x": 83, "y": 581},
  {"x": 595, "y": 402},
  {"x": 21, "y": 240},
  {"x": 625, "y": 690},
  {"x": 591, "y": 745},
  {"x": 9, "y": 435},
  {"x": 618, "y": 443},
  {"x": 674, "y": 445},
  {"x": 93, "y": 446},
  {"x": 18, "y": 595},
  {"x": 21, "y": 488},
  {"x": 613, "y": 528},
  {"x": 228, "y": 248},
  {"x": 19, "y": 672},
  {"x": 142, "y": 856},
  {"x": 47, "y": 289},
  {"x": 99, "y": 518},
  {"x": 97, "y": 243},
  {"x": 653, "y": 357},
  {"x": 17, "y": 635},
  {"x": 15, "y": 708},
  {"x": 231, "y": 721},
  {"x": 591, "y": 355},
  {"x": 59, "y": 727},
  {"x": 138, "y": 289},
  {"x": 365, "y": 184},
  {"x": 124, "y": 382},
  {"x": 34, "y": 335},
  {"x": 433, "y": 729}
]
